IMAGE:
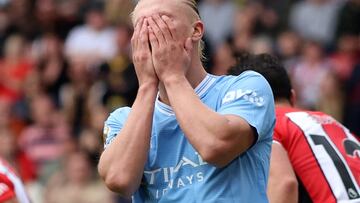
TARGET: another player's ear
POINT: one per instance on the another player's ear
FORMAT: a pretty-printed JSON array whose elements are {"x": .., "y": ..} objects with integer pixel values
[{"x": 198, "y": 31}]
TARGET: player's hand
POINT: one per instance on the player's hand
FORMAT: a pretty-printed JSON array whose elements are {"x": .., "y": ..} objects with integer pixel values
[
  {"x": 141, "y": 54},
  {"x": 171, "y": 56}
]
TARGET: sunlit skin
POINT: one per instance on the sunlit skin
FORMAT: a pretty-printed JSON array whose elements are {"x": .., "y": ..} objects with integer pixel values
[{"x": 176, "y": 23}]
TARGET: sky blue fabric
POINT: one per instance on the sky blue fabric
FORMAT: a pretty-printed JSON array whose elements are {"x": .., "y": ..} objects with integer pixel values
[{"x": 175, "y": 172}]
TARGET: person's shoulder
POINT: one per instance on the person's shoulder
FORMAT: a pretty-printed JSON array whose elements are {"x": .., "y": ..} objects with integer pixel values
[
  {"x": 119, "y": 114},
  {"x": 80, "y": 29},
  {"x": 243, "y": 75},
  {"x": 248, "y": 77}
]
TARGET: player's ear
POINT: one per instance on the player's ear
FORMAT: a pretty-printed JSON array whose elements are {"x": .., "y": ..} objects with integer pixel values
[
  {"x": 198, "y": 31},
  {"x": 293, "y": 97}
]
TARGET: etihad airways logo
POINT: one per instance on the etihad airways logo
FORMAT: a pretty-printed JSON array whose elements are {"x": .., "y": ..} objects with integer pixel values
[
  {"x": 248, "y": 95},
  {"x": 168, "y": 175}
]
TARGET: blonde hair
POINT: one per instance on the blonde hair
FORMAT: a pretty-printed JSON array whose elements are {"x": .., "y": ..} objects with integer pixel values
[{"x": 193, "y": 5}]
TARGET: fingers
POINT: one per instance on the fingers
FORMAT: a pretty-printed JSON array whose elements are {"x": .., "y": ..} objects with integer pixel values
[
  {"x": 144, "y": 37},
  {"x": 152, "y": 38},
  {"x": 156, "y": 30},
  {"x": 163, "y": 27},
  {"x": 171, "y": 26},
  {"x": 134, "y": 39}
]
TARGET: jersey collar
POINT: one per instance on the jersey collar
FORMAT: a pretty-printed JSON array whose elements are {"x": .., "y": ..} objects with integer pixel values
[{"x": 200, "y": 90}]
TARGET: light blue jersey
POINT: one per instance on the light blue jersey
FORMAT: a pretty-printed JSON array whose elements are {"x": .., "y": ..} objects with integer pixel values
[{"x": 175, "y": 172}]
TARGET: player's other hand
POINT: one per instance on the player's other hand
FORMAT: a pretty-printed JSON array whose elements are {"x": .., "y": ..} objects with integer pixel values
[
  {"x": 141, "y": 54},
  {"x": 171, "y": 55}
]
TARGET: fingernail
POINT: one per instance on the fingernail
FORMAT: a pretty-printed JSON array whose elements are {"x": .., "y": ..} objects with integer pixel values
[{"x": 164, "y": 17}]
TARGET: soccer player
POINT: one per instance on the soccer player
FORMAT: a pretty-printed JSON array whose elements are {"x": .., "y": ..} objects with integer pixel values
[
  {"x": 314, "y": 158},
  {"x": 189, "y": 136},
  {"x": 11, "y": 188}
]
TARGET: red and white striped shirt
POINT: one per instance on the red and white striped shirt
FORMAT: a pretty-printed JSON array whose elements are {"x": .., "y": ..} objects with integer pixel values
[{"x": 324, "y": 154}]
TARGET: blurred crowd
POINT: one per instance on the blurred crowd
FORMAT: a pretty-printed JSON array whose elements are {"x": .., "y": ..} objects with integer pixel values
[{"x": 65, "y": 64}]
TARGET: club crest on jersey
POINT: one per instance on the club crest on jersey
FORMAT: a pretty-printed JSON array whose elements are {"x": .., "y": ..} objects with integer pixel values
[
  {"x": 106, "y": 131},
  {"x": 248, "y": 95}
]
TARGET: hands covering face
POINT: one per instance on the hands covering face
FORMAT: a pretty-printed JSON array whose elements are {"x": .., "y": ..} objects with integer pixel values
[{"x": 158, "y": 51}]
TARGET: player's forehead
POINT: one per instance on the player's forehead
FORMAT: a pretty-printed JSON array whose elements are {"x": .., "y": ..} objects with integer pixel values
[{"x": 171, "y": 8}]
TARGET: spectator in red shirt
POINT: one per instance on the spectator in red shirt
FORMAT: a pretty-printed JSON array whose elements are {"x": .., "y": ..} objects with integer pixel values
[{"x": 15, "y": 68}]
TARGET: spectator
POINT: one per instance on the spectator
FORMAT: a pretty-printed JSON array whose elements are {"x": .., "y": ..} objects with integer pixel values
[
  {"x": 331, "y": 97},
  {"x": 5, "y": 112},
  {"x": 94, "y": 40},
  {"x": 288, "y": 45},
  {"x": 315, "y": 19},
  {"x": 118, "y": 84},
  {"x": 74, "y": 95},
  {"x": 67, "y": 17},
  {"x": 346, "y": 56},
  {"x": 77, "y": 183},
  {"x": 261, "y": 44},
  {"x": 316, "y": 68},
  {"x": 52, "y": 65},
  {"x": 15, "y": 68},
  {"x": 119, "y": 11},
  {"x": 45, "y": 15},
  {"x": 90, "y": 143},
  {"x": 9, "y": 151},
  {"x": 22, "y": 18},
  {"x": 348, "y": 22},
  {"x": 217, "y": 16},
  {"x": 44, "y": 140},
  {"x": 223, "y": 59}
]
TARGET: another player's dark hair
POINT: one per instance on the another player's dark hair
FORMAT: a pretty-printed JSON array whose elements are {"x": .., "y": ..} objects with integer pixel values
[{"x": 268, "y": 66}]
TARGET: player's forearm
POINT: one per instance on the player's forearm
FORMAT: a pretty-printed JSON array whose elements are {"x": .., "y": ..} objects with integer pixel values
[
  {"x": 282, "y": 190},
  {"x": 207, "y": 130},
  {"x": 13, "y": 200},
  {"x": 283, "y": 185},
  {"x": 121, "y": 165}
]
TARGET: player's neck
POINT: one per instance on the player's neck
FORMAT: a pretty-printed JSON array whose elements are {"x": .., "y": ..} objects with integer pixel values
[
  {"x": 195, "y": 75},
  {"x": 282, "y": 103}
]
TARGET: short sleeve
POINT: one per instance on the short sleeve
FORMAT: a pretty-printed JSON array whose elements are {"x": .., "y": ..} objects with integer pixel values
[
  {"x": 7, "y": 191},
  {"x": 277, "y": 136},
  {"x": 114, "y": 124},
  {"x": 249, "y": 96}
]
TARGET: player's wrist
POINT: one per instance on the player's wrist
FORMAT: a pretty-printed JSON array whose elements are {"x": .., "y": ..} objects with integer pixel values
[
  {"x": 148, "y": 86},
  {"x": 173, "y": 79}
]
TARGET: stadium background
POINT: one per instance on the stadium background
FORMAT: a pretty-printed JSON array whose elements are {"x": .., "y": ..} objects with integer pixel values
[{"x": 65, "y": 64}]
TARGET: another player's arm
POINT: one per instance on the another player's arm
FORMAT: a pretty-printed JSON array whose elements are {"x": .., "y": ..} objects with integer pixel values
[
  {"x": 218, "y": 138},
  {"x": 121, "y": 165},
  {"x": 283, "y": 185},
  {"x": 13, "y": 200}
]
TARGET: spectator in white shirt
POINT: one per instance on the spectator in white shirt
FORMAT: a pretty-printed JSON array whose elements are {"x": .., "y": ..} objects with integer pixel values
[{"x": 94, "y": 40}]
